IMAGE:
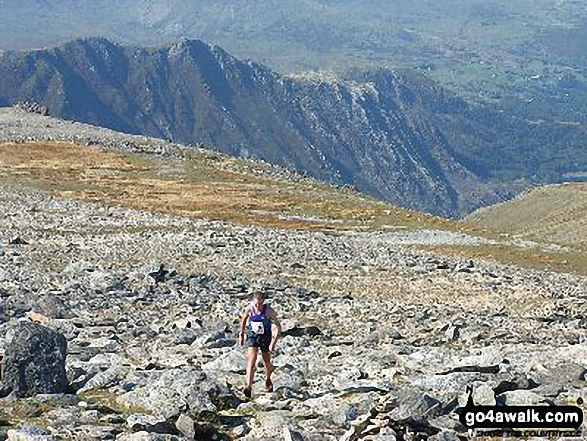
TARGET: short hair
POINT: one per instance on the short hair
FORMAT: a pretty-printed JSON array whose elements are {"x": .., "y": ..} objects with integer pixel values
[{"x": 259, "y": 295}]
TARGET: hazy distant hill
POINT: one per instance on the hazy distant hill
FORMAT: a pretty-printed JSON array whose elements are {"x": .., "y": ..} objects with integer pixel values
[
  {"x": 527, "y": 55},
  {"x": 393, "y": 134},
  {"x": 554, "y": 213}
]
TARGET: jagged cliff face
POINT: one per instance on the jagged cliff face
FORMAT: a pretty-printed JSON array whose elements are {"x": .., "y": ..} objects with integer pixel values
[{"x": 384, "y": 132}]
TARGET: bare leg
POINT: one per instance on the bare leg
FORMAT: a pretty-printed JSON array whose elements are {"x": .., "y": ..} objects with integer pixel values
[
  {"x": 251, "y": 362},
  {"x": 269, "y": 368},
  {"x": 267, "y": 364}
]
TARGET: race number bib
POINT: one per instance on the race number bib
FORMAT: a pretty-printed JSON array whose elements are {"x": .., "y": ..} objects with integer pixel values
[{"x": 258, "y": 327}]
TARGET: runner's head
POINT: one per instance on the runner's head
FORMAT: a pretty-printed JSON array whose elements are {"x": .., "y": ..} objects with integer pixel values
[{"x": 258, "y": 299}]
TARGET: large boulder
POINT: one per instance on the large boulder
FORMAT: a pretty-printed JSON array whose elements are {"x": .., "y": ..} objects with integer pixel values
[
  {"x": 29, "y": 432},
  {"x": 34, "y": 361},
  {"x": 275, "y": 425},
  {"x": 175, "y": 391}
]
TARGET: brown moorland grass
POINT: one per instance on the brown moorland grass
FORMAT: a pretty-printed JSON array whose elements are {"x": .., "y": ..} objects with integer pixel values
[
  {"x": 216, "y": 187},
  {"x": 553, "y": 214},
  {"x": 210, "y": 187}
]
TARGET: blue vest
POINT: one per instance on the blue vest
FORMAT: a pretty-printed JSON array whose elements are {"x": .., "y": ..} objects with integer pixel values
[{"x": 260, "y": 316}]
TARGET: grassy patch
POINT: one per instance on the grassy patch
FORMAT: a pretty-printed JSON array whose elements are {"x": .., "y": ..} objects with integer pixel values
[
  {"x": 109, "y": 400},
  {"x": 210, "y": 187},
  {"x": 535, "y": 258},
  {"x": 26, "y": 411},
  {"x": 551, "y": 214}
]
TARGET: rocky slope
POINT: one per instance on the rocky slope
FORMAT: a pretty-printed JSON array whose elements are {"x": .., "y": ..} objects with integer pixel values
[
  {"x": 152, "y": 350},
  {"x": 392, "y": 134},
  {"x": 381, "y": 339}
]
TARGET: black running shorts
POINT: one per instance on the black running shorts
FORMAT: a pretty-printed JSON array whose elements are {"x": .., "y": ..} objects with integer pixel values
[{"x": 261, "y": 341}]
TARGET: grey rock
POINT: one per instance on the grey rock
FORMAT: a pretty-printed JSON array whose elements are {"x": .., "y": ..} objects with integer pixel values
[
  {"x": 240, "y": 430},
  {"x": 29, "y": 432},
  {"x": 52, "y": 306},
  {"x": 186, "y": 426},
  {"x": 184, "y": 336},
  {"x": 445, "y": 436},
  {"x": 343, "y": 414},
  {"x": 413, "y": 403},
  {"x": 32, "y": 107},
  {"x": 173, "y": 392},
  {"x": 482, "y": 394},
  {"x": 149, "y": 423},
  {"x": 34, "y": 361},
  {"x": 302, "y": 331},
  {"x": 358, "y": 426},
  {"x": 385, "y": 434},
  {"x": 519, "y": 397},
  {"x": 105, "y": 379},
  {"x": 232, "y": 361},
  {"x": 274, "y": 425},
  {"x": 567, "y": 371},
  {"x": 221, "y": 343},
  {"x": 147, "y": 436},
  {"x": 17, "y": 240}
]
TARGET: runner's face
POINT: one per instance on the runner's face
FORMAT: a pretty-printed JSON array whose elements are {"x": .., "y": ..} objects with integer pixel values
[{"x": 258, "y": 302}]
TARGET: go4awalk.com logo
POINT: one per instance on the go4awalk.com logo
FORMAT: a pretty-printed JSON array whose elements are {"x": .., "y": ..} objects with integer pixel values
[{"x": 522, "y": 421}]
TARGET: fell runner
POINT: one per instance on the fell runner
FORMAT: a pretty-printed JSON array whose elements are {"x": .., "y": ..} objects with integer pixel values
[{"x": 260, "y": 329}]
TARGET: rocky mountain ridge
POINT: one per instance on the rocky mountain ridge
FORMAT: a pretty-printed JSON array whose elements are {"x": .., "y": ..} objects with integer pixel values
[
  {"x": 391, "y": 134},
  {"x": 528, "y": 56}
]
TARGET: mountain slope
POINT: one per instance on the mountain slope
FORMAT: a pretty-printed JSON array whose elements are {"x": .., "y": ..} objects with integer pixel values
[
  {"x": 527, "y": 55},
  {"x": 113, "y": 255},
  {"x": 392, "y": 134},
  {"x": 554, "y": 213},
  {"x": 85, "y": 162}
]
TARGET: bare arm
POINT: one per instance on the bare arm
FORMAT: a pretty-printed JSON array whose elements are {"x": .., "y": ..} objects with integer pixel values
[
  {"x": 243, "y": 326},
  {"x": 275, "y": 325}
]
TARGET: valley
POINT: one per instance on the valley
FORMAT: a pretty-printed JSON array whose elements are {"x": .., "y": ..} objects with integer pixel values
[{"x": 393, "y": 134}]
